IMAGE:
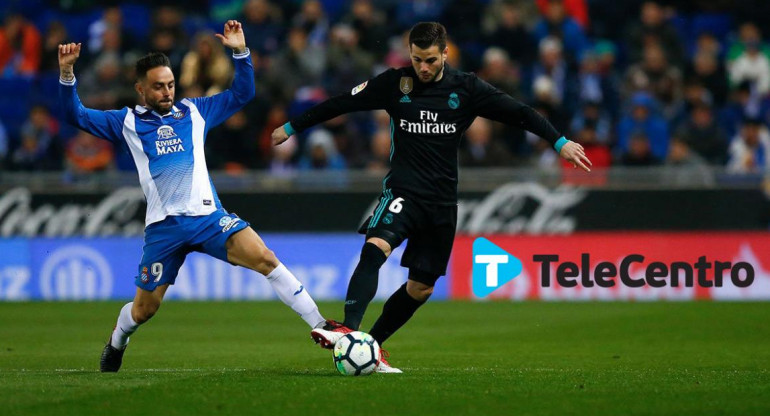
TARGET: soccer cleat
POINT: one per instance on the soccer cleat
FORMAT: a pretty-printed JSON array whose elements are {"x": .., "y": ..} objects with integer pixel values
[
  {"x": 111, "y": 360},
  {"x": 327, "y": 336},
  {"x": 384, "y": 366}
]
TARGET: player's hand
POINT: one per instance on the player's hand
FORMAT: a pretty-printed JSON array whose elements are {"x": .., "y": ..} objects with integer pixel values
[
  {"x": 68, "y": 54},
  {"x": 279, "y": 136},
  {"x": 233, "y": 36},
  {"x": 574, "y": 153}
]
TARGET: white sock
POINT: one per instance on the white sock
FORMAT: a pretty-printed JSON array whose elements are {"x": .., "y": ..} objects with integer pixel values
[
  {"x": 124, "y": 328},
  {"x": 292, "y": 293}
]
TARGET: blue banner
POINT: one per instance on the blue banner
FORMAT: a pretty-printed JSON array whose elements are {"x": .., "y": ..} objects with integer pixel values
[{"x": 104, "y": 268}]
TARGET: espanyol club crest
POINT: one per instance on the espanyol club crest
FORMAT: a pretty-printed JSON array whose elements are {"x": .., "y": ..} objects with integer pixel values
[
  {"x": 165, "y": 132},
  {"x": 144, "y": 277}
]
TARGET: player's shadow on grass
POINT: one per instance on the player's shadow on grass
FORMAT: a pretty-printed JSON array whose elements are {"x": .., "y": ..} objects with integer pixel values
[
  {"x": 272, "y": 372},
  {"x": 258, "y": 372}
]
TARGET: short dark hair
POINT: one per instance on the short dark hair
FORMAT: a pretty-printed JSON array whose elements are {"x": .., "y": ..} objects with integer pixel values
[
  {"x": 150, "y": 61},
  {"x": 427, "y": 34}
]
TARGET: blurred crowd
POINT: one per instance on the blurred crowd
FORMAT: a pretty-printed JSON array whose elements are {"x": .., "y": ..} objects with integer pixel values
[{"x": 638, "y": 83}]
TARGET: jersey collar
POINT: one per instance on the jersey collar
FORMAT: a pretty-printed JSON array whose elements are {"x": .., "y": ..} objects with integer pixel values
[{"x": 142, "y": 110}]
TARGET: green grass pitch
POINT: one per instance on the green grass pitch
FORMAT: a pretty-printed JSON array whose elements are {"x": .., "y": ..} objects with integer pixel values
[{"x": 459, "y": 358}]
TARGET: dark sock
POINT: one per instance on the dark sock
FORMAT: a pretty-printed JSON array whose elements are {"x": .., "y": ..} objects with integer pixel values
[
  {"x": 363, "y": 285},
  {"x": 397, "y": 310}
]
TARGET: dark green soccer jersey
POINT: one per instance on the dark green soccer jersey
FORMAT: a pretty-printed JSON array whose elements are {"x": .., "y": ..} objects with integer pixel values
[{"x": 427, "y": 122}]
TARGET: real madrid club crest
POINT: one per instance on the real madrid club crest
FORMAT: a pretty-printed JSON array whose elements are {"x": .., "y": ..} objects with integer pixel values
[
  {"x": 454, "y": 101},
  {"x": 406, "y": 85}
]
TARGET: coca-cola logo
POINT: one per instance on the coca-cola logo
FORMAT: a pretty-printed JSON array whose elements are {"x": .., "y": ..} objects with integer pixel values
[
  {"x": 517, "y": 208},
  {"x": 521, "y": 208},
  {"x": 116, "y": 214}
]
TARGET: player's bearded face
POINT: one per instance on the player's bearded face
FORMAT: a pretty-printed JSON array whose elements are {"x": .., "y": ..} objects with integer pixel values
[
  {"x": 158, "y": 89},
  {"x": 428, "y": 63}
]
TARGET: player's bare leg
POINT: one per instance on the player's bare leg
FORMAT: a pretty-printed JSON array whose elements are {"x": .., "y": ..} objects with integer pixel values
[
  {"x": 245, "y": 248},
  {"x": 133, "y": 314},
  {"x": 147, "y": 303}
]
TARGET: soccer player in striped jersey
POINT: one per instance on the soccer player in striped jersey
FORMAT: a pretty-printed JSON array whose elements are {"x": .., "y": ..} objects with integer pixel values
[{"x": 166, "y": 139}]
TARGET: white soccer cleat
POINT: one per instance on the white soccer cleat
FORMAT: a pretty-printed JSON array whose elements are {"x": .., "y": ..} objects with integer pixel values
[
  {"x": 384, "y": 366},
  {"x": 327, "y": 336}
]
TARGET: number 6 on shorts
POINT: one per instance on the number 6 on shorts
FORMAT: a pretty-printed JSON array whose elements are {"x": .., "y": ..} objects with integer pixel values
[{"x": 395, "y": 206}]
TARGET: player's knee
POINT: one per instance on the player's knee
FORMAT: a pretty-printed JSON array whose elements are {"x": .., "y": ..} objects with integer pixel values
[
  {"x": 381, "y": 244},
  {"x": 422, "y": 294},
  {"x": 419, "y": 291}
]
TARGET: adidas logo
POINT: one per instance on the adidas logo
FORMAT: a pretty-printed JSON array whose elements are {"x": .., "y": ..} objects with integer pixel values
[{"x": 405, "y": 99}]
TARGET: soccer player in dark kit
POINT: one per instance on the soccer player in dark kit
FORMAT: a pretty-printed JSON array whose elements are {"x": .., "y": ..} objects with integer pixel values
[{"x": 430, "y": 105}]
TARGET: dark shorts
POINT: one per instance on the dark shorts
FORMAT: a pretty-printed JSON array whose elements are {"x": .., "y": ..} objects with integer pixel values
[
  {"x": 429, "y": 229},
  {"x": 168, "y": 242}
]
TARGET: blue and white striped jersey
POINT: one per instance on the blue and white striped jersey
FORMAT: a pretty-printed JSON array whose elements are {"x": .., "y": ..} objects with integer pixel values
[{"x": 167, "y": 149}]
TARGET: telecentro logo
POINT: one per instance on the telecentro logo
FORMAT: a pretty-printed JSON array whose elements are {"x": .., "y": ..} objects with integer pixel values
[{"x": 493, "y": 267}]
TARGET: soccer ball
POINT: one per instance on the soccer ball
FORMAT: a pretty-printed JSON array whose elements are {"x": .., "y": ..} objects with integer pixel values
[{"x": 356, "y": 354}]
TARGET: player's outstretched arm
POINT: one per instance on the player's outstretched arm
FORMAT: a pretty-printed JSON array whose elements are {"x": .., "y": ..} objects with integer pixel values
[
  {"x": 496, "y": 105},
  {"x": 233, "y": 37},
  {"x": 104, "y": 124},
  {"x": 219, "y": 107},
  {"x": 370, "y": 95},
  {"x": 68, "y": 54}
]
